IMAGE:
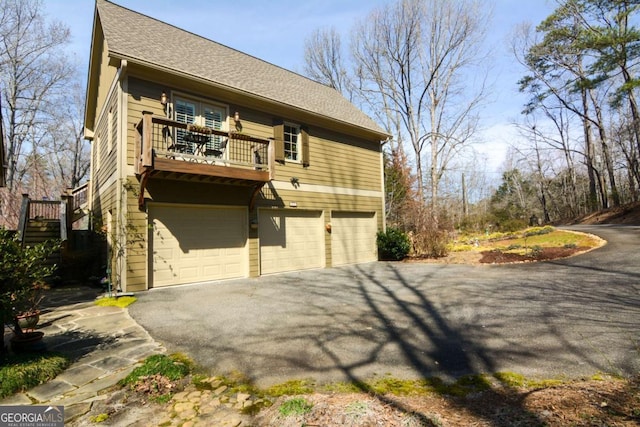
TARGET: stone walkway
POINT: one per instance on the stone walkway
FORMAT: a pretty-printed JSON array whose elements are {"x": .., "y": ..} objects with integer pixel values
[{"x": 105, "y": 345}]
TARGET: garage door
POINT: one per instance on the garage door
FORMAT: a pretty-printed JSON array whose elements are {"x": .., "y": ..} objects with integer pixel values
[
  {"x": 353, "y": 237},
  {"x": 197, "y": 244},
  {"x": 290, "y": 240}
]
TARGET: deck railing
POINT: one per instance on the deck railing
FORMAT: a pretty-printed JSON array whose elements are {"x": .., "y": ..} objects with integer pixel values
[
  {"x": 42, "y": 210},
  {"x": 80, "y": 195},
  {"x": 161, "y": 137}
]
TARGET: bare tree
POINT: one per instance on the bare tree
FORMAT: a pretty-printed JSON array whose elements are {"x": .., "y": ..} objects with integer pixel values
[
  {"x": 410, "y": 59},
  {"x": 66, "y": 150},
  {"x": 323, "y": 61},
  {"x": 33, "y": 71}
]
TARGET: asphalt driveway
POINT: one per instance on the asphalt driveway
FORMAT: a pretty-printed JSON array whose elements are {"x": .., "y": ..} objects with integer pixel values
[{"x": 571, "y": 317}]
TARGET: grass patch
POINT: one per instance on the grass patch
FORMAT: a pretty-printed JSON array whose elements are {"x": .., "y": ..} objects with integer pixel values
[
  {"x": 173, "y": 367},
  {"x": 396, "y": 386},
  {"x": 235, "y": 384},
  {"x": 121, "y": 302},
  {"x": 291, "y": 388},
  {"x": 24, "y": 371},
  {"x": 346, "y": 387},
  {"x": 524, "y": 242},
  {"x": 296, "y": 406},
  {"x": 387, "y": 385},
  {"x": 469, "y": 384},
  {"x": 513, "y": 380}
]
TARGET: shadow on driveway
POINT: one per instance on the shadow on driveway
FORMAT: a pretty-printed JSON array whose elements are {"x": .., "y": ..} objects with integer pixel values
[{"x": 568, "y": 318}]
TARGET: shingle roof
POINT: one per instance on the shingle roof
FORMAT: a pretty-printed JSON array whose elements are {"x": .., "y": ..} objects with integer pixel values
[{"x": 140, "y": 38}]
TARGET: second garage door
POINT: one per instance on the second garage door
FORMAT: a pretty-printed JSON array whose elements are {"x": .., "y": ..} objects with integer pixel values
[
  {"x": 353, "y": 237},
  {"x": 290, "y": 240},
  {"x": 197, "y": 244}
]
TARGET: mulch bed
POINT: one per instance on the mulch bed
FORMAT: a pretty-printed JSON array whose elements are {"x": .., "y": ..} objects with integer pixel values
[{"x": 545, "y": 254}]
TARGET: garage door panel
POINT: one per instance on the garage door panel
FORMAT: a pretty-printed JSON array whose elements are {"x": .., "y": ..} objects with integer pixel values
[
  {"x": 195, "y": 244},
  {"x": 353, "y": 237},
  {"x": 290, "y": 240}
]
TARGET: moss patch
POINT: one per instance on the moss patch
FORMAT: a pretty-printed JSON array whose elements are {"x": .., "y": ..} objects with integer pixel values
[{"x": 121, "y": 302}]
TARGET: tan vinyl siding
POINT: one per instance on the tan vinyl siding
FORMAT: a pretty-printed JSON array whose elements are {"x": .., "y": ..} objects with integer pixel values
[
  {"x": 254, "y": 254},
  {"x": 106, "y": 164},
  {"x": 136, "y": 268},
  {"x": 142, "y": 96},
  {"x": 334, "y": 157},
  {"x": 173, "y": 191},
  {"x": 319, "y": 201},
  {"x": 101, "y": 204},
  {"x": 106, "y": 74}
]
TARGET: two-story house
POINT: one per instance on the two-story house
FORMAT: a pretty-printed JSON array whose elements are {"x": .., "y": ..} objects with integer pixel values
[{"x": 211, "y": 164}]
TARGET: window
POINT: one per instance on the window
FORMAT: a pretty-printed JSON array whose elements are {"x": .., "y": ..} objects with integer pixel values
[
  {"x": 199, "y": 113},
  {"x": 291, "y": 142}
]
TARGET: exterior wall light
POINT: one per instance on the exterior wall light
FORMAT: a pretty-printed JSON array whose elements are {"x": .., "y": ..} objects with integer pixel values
[{"x": 163, "y": 99}]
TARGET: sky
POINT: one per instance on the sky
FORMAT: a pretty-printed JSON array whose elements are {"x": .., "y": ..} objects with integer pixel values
[{"x": 275, "y": 31}]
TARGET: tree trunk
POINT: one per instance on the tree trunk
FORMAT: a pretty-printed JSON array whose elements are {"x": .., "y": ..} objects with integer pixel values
[{"x": 589, "y": 155}]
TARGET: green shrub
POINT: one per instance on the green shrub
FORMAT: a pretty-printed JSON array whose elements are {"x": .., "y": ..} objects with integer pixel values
[
  {"x": 538, "y": 231},
  {"x": 393, "y": 244},
  {"x": 22, "y": 272},
  {"x": 536, "y": 251}
]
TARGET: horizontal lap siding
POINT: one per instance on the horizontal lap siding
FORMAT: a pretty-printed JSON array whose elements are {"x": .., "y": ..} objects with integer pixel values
[
  {"x": 103, "y": 147},
  {"x": 137, "y": 241},
  {"x": 142, "y": 96},
  {"x": 336, "y": 164}
]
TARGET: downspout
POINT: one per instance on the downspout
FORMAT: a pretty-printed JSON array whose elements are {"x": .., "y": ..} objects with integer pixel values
[
  {"x": 121, "y": 156},
  {"x": 382, "y": 188}
]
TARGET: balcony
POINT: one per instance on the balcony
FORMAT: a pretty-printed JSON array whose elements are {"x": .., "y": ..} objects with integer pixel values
[
  {"x": 168, "y": 149},
  {"x": 164, "y": 145}
]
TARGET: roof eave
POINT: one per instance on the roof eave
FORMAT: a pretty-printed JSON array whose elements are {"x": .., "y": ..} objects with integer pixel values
[{"x": 91, "y": 91}]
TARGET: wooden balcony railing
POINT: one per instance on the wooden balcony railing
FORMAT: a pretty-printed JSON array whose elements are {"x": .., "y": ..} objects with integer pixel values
[
  {"x": 161, "y": 138},
  {"x": 42, "y": 211},
  {"x": 79, "y": 196}
]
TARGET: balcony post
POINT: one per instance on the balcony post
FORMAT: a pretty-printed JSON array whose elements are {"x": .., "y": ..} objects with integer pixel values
[
  {"x": 147, "y": 133},
  {"x": 271, "y": 159}
]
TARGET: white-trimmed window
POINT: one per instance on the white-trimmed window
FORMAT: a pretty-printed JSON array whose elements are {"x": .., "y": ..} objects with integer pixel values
[
  {"x": 292, "y": 142},
  {"x": 192, "y": 111}
]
